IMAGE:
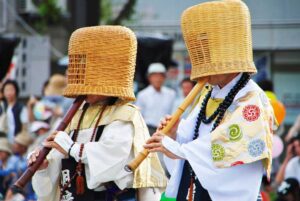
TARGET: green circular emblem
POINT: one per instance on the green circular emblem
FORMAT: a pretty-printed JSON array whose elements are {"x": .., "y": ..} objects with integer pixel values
[
  {"x": 235, "y": 132},
  {"x": 218, "y": 152}
]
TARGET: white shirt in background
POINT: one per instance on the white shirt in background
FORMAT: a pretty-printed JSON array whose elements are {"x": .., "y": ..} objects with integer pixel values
[
  {"x": 155, "y": 104},
  {"x": 293, "y": 169}
]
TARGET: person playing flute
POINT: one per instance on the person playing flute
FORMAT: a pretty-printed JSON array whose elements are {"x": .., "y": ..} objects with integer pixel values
[
  {"x": 87, "y": 159},
  {"x": 221, "y": 150}
]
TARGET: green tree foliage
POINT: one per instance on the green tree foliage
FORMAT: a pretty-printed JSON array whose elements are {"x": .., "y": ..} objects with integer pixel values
[
  {"x": 125, "y": 13},
  {"x": 48, "y": 14}
]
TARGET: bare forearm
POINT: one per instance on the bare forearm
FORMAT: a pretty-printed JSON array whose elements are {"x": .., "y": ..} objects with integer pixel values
[{"x": 281, "y": 173}]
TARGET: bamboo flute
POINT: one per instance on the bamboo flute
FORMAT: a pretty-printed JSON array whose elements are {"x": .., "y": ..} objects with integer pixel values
[{"x": 175, "y": 116}]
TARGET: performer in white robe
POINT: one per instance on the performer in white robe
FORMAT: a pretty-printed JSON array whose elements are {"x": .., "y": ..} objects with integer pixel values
[
  {"x": 88, "y": 159},
  {"x": 220, "y": 151}
]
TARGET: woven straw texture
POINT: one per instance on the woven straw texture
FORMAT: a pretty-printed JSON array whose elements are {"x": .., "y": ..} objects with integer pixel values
[
  {"x": 218, "y": 37},
  {"x": 102, "y": 62}
]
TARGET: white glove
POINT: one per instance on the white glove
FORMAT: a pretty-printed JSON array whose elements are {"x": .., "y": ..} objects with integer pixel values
[{"x": 63, "y": 140}]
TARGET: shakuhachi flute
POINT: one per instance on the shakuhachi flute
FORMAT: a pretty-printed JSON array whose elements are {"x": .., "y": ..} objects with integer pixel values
[
  {"x": 26, "y": 176},
  {"x": 175, "y": 116}
]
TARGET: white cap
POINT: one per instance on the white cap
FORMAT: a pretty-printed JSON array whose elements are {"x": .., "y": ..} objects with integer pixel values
[
  {"x": 156, "y": 68},
  {"x": 35, "y": 126}
]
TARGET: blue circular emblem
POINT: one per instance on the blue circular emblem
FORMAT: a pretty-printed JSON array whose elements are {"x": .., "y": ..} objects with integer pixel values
[{"x": 256, "y": 147}]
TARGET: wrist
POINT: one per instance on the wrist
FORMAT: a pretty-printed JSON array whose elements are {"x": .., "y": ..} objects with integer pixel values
[
  {"x": 69, "y": 151},
  {"x": 63, "y": 140},
  {"x": 74, "y": 151}
]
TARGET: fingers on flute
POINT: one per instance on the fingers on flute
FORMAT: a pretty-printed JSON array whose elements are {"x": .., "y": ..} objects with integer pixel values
[
  {"x": 155, "y": 138},
  {"x": 52, "y": 136},
  {"x": 32, "y": 159},
  {"x": 36, "y": 153},
  {"x": 152, "y": 145},
  {"x": 163, "y": 122},
  {"x": 49, "y": 144},
  {"x": 168, "y": 117},
  {"x": 157, "y": 149}
]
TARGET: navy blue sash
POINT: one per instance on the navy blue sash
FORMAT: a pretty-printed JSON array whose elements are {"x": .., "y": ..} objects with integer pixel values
[{"x": 200, "y": 194}]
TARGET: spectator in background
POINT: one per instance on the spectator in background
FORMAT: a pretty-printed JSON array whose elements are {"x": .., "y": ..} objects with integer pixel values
[
  {"x": 3, "y": 120},
  {"x": 290, "y": 167},
  {"x": 17, "y": 116},
  {"x": 289, "y": 190},
  {"x": 52, "y": 105},
  {"x": 172, "y": 76},
  {"x": 54, "y": 93},
  {"x": 293, "y": 167},
  {"x": 21, "y": 143},
  {"x": 186, "y": 86},
  {"x": 156, "y": 100},
  {"x": 32, "y": 101},
  {"x": 19, "y": 163},
  {"x": 40, "y": 131}
]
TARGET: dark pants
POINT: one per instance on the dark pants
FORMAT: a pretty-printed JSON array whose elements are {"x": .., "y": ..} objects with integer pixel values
[
  {"x": 128, "y": 195},
  {"x": 200, "y": 194},
  {"x": 152, "y": 129}
]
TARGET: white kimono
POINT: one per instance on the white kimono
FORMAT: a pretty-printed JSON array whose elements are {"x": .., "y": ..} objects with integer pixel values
[
  {"x": 238, "y": 183},
  {"x": 45, "y": 182}
]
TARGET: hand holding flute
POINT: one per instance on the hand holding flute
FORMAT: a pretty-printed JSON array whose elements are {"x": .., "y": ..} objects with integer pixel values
[
  {"x": 41, "y": 155},
  {"x": 154, "y": 144},
  {"x": 187, "y": 101}
]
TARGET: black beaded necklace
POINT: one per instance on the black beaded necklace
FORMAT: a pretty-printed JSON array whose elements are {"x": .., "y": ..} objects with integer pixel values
[{"x": 220, "y": 111}]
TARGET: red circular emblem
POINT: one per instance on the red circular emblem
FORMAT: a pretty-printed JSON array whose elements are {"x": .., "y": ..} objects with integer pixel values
[
  {"x": 251, "y": 112},
  {"x": 237, "y": 163}
]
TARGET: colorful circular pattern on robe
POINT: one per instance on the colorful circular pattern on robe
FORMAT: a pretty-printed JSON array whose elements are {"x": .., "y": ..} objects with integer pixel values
[
  {"x": 256, "y": 147},
  {"x": 235, "y": 133},
  {"x": 251, "y": 112},
  {"x": 237, "y": 163},
  {"x": 218, "y": 152}
]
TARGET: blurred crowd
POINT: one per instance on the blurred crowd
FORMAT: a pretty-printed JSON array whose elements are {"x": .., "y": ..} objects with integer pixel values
[{"x": 24, "y": 126}]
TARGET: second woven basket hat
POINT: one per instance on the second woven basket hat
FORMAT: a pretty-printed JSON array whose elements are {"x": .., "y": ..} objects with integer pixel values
[
  {"x": 218, "y": 37},
  {"x": 102, "y": 62}
]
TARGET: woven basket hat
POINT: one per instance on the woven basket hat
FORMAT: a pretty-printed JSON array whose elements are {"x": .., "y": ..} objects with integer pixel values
[
  {"x": 102, "y": 62},
  {"x": 218, "y": 38}
]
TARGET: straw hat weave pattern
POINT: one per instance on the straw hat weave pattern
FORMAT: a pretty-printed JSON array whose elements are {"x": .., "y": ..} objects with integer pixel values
[
  {"x": 218, "y": 37},
  {"x": 102, "y": 62}
]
